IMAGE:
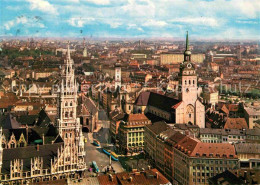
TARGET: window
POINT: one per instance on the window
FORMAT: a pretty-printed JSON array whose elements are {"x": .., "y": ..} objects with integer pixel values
[{"x": 12, "y": 145}]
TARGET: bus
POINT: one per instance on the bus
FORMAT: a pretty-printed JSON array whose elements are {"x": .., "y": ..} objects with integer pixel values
[
  {"x": 95, "y": 166},
  {"x": 110, "y": 153},
  {"x": 114, "y": 156}
]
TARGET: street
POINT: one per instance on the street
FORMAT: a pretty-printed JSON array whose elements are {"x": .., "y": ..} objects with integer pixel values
[{"x": 94, "y": 153}]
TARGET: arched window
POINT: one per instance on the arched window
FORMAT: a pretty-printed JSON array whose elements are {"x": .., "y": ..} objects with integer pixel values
[
  {"x": 189, "y": 82},
  {"x": 66, "y": 103},
  {"x": 22, "y": 144},
  {"x": 12, "y": 145},
  {"x": 87, "y": 121},
  {"x": 71, "y": 103},
  {"x": 185, "y": 82},
  {"x": 193, "y": 81},
  {"x": 66, "y": 114},
  {"x": 71, "y": 114}
]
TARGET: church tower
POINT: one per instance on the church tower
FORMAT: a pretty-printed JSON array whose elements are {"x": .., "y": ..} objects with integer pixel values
[
  {"x": 188, "y": 78},
  {"x": 85, "y": 52},
  {"x": 117, "y": 75},
  {"x": 192, "y": 111},
  {"x": 68, "y": 124}
]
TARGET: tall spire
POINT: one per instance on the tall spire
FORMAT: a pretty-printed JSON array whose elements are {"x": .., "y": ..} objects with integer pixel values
[
  {"x": 187, "y": 40},
  {"x": 68, "y": 50},
  {"x": 187, "y": 52}
]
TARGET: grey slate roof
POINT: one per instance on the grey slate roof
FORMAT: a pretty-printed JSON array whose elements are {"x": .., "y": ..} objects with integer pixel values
[
  {"x": 249, "y": 148},
  {"x": 158, "y": 127}
]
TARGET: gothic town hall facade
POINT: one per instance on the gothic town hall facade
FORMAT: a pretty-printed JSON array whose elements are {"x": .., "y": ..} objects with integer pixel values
[{"x": 46, "y": 151}]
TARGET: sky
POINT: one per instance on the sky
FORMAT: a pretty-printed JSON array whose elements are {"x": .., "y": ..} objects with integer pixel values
[{"x": 204, "y": 19}]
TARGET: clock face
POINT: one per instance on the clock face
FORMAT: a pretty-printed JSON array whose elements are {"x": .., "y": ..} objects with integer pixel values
[{"x": 189, "y": 65}]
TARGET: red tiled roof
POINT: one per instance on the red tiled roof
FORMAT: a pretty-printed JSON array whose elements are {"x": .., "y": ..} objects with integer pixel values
[
  {"x": 233, "y": 107},
  {"x": 216, "y": 150},
  {"x": 236, "y": 123},
  {"x": 187, "y": 145},
  {"x": 196, "y": 148},
  {"x": 106, "y": 180},
  {"x": 148, "y": 177},
  {"x": 225, "y": 109},
  {"x": 137, "y": 117},
  {"x": 177, "y": 105}
]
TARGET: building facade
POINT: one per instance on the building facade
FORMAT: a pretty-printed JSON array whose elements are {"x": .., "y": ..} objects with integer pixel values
[
  {"x": 131, "y": 133},
  {"x": 190, "y": 110},
  {"x": 31, "y": 157}
]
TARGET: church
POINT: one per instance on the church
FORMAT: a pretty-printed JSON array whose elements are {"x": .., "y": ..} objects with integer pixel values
[{"x": 187, "y": 109}]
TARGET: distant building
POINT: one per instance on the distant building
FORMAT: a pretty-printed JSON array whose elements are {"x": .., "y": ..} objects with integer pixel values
[
  {"x": 211, "y": 97},
  {"x": 118, "y": 75},
  {"x": 138, "y": 56},
  {"x": 252, "y": 115},
  {"x": 209, "y": 135},
  {"x": 177, "y": 58}
]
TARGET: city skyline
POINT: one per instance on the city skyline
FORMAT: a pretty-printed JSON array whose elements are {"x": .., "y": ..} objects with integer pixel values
[{"x": 218, "y": 19}]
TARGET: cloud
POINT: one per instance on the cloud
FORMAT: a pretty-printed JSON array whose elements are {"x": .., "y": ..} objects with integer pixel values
[
  {"x": 43, "y": 6},
  {"x": 247, "y": 22},
  {"x": 80, "y": 22},
  {"x": 135, "y": 27},
  {"x": 8, "y": 25},
  {"x": 114, "y": 24},
  {"x": 205, "y": 21},
  {"x": 23, "y": 20},
  {"x": 140, "y": 17},
  {"x": 155, "y": 23},
  {"x": 99, "y": 2}
]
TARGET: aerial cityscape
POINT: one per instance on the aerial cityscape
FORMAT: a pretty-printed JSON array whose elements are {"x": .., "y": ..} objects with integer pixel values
[{"x": 129, "y": 92}]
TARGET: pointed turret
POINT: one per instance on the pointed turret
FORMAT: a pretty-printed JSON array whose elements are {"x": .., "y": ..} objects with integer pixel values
[
  {"x": 187, "y": 52},
  {"x": 68, "y": 51},
  {"x": 187, "y": 40}
]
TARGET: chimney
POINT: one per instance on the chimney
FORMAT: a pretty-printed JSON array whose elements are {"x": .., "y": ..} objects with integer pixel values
[
  {"x": 157, "y": 175},
  {"x": 38, "y": 147}
]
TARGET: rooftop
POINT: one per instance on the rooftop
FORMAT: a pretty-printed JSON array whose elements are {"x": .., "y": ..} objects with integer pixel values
[{"x": 236, "y": 123}]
